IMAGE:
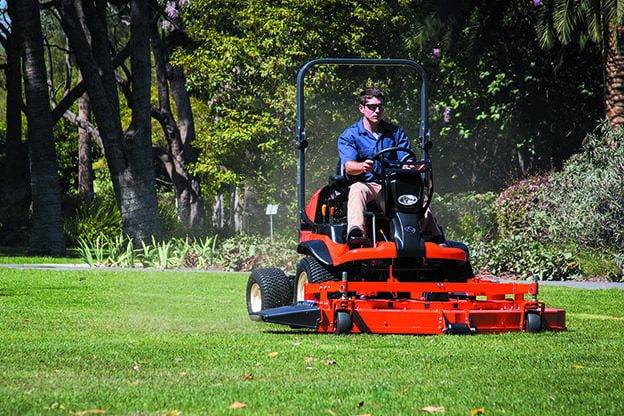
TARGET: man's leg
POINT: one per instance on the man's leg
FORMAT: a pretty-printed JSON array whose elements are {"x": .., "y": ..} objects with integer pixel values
[
  {"x": 429, "y": 228},
  {"x": 360, "y": 194}
]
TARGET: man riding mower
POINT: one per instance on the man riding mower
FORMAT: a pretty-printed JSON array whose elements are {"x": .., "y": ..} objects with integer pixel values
[{"x": 374, "y": 259}]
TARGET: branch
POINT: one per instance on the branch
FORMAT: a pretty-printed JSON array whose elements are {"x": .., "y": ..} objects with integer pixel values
[
  {"x": 80, "y": 89},
  {"x": 85, "y": 125}
]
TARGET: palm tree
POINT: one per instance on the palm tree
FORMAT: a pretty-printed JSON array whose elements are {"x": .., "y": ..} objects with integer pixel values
[
  {"x": 47, "y": 224},
  {"x": 583, "y": 21}
]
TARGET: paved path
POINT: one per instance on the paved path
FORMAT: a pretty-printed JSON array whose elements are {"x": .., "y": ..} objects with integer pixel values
[{"x": 567, "y": 283}]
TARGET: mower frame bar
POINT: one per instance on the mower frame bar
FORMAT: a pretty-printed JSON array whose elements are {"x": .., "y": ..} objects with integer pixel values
[{"x": 301, "y": 136}]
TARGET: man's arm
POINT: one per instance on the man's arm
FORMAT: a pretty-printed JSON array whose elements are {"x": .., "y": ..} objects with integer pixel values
[{"x": 355, "y": 168}]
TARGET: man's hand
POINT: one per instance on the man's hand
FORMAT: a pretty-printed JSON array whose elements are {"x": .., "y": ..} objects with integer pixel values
[
  {"x": 356, "y": 168},
  {"x": 419, "y": 167}
]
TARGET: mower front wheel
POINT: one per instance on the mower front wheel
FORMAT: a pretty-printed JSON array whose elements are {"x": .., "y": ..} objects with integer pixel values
[
  {"x": 342, "y": 322},
  {"x": 266, "y": 289},
  {"x": 533, "y": 322}
]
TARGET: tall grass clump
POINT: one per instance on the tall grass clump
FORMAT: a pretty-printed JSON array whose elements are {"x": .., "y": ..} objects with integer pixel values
[{"x": 90, "y": 217}]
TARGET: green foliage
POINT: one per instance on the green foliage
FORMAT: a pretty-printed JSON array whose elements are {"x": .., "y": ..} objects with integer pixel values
[
  {"x": 522, "y": 258},
  {"x": 501, "y": 102},
  {"x": 587, "y": 196},
  {"x": 90, "y": 217},
  {"x": 245, "y": 253},
  {"x": 516, "y": 205},
  {"x": 568, "y": 223},
  {"x": 244, "y": 67},
  {"x": 466, "y": 216},
  {"x": 239, "y": 253}
]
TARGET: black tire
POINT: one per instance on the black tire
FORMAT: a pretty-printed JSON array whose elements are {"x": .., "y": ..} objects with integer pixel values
[
  {"x": 310, "y": 270},
  {"x": 533, "y": 322},
  {"x": 454, "y": 272},
  {"x": 342, "y": 322},
  {"x": 266, "y": 289}
]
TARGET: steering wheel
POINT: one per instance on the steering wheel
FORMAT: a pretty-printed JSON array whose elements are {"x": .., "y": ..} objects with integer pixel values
[{"x": 410, "y": 153}]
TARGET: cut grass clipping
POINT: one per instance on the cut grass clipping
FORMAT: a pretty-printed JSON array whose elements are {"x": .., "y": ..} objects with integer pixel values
[{"x": 168, "y": 343}]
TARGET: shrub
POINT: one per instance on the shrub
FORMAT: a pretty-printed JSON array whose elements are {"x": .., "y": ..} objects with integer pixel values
[
  {"x": 467, "y": 217},
  {"x": 516, "y": 255},
  {"x": 90, "y": 217},
  {"x": 517, "y": 205},
  {"x": 247, "y": 252},
  {"x": 588, "y": 195}
]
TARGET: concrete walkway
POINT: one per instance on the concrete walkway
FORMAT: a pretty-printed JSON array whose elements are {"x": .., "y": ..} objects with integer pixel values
[{"x": 85, "y": 267}]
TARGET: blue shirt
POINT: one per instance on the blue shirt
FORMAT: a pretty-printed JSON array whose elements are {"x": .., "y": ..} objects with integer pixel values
[{"x": 357, "y": 143}]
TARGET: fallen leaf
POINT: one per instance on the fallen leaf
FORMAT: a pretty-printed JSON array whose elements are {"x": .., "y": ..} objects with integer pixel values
[
  {"x": 432, "y": 409},
  {"x": 406, "y": 388},
  {"x": 578, "y": 366},
  {"x": 477, "y": 412},
  {"x": 273, "y": 354},
  {"x": 237, "y": 405},
  {"x": 247, "y": 376},
  {"x": 308, "y": 359}
]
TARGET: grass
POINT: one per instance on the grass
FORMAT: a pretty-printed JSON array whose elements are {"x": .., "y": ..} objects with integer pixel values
[
  {"x": 168, "y": 343},
  {"x": 20, "y": 255}
]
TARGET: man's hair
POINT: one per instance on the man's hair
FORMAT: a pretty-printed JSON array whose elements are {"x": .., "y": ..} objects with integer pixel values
[{"x": 371, "y": 92}]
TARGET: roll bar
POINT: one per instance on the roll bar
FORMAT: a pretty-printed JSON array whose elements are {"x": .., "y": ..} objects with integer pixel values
[{"x": 301, "y": 140}]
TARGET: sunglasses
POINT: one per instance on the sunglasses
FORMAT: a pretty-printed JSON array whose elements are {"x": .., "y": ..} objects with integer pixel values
[{"x": 374, "y": 107}]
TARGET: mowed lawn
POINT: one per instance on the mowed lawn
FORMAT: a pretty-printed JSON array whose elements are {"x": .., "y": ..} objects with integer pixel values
[{"x": 181, "y": 343}]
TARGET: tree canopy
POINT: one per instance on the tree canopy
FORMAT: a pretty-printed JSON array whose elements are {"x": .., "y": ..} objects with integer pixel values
[{"x": 501, "y": 104}]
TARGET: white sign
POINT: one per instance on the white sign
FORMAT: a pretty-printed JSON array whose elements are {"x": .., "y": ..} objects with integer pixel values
[{"x": 271, "y": 209}]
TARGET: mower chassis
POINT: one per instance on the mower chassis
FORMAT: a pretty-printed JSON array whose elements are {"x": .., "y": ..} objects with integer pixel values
[{"x": 478, "y": 306}]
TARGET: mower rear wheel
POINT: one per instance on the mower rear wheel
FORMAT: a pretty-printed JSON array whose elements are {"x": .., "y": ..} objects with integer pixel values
[
  {"x": 266, "y": 289},
  {"x": 309, "y": 270},
  {"x": 342, "y": 322},
  {"x": 533, "y": 322}
]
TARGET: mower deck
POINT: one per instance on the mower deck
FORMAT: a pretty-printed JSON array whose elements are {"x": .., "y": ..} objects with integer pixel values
[{"x": 478, "y": 306}]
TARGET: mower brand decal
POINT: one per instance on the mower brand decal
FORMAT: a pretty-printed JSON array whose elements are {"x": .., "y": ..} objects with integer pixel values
[
  {"x": 410, "y": 229},
  {"x": 408, "y": 200}
]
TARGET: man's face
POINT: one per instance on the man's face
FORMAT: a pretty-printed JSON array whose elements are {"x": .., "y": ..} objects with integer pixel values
[{"x": 373, "y": 109}]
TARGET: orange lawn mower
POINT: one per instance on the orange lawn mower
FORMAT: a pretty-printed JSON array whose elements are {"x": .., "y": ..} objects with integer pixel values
[{"x": 395, "y": 282}]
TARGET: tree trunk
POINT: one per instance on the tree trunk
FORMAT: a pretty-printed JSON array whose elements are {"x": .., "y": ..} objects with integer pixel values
[
  {"x": 181, "y": 153},
  {"x": 16, "y": 193},
  {"x": 613, "y": 64},
  {"x": 85, "y": 159},
  {"x": 129, "y": 156},
  {"x": 194, "y": 210},
  {"x": 47, "y": 223}
]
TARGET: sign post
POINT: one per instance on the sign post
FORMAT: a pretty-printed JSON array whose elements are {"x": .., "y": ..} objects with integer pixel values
[{"x": 270, "y": 211}]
